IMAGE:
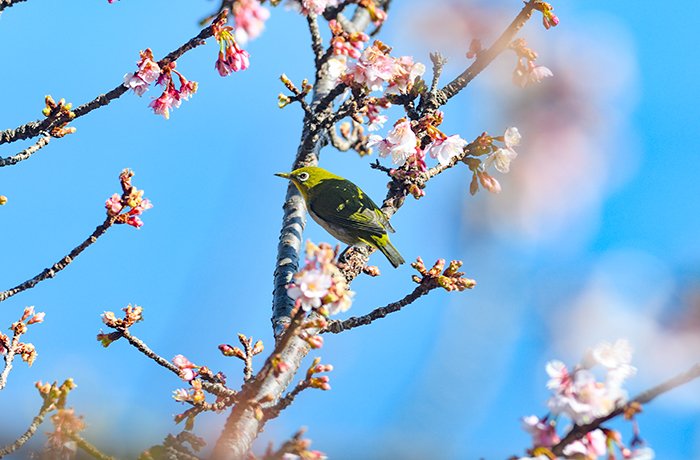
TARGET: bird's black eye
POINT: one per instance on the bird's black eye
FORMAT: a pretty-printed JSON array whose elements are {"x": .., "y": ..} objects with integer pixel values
[{"x": 303, "y": 176}]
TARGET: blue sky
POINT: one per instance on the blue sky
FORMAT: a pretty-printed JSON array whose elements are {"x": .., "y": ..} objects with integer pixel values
[{"x": 448, "y": 377}]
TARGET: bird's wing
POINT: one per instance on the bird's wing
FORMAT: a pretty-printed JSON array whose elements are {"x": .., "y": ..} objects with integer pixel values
[{"x": 342, "y": 203}]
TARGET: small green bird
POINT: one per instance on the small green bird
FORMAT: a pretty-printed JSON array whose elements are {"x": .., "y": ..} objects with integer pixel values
[{"x": 344, "y": 210}]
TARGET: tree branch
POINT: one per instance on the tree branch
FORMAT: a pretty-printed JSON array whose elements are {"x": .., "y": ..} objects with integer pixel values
[
  {"x": 26, "y": 153},
  {"x": 486, "y": 57},
  {"x": 338, "y": 326},
  {"x": 316, "y": 41},
  {"x": 34, "y": 128},
  {"x": 214, "y": 388},
  {"x": 61, "y": 264},
  {"x": 8, "y": 3},
  {"x": 89, "y": 449},
  {"x": 31, "y": 430},
  {"x": 578, "y": 431}
]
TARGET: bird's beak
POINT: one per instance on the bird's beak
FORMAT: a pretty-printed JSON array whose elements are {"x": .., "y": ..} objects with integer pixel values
[{"x": 283, "y": 175}]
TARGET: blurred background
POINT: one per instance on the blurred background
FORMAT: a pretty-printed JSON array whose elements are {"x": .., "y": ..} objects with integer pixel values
[{"x": 594, "y": 236}]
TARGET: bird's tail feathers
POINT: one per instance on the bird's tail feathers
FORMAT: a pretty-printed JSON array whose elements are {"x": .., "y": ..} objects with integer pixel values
[{"x": 384, "y": 245}]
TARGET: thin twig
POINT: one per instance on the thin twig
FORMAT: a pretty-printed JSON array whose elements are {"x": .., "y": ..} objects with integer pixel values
[
  {"x": 61, "y": 264},
  {"x": 34, "y": 128},
  {"x": 338, "y": 326},
  {"x": 8, "y": 3},
  {"x": 214, "y": 388},
  {"x": 89, "y": 449},
  {"x": 286, "y": 401},
  {"x": 438, "y": 64},
  {"x": 486, "y": 57},
  {"x": 9, "y": 358},
  {"x": 31, "y": 430},
  {"x": 26, "y": 153},
  {"x": 248, "y": 362},
  {"x": 578, "y": 431}
]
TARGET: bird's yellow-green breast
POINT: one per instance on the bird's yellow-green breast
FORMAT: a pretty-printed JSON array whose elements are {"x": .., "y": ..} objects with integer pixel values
[{"x": 344, "y": 210}]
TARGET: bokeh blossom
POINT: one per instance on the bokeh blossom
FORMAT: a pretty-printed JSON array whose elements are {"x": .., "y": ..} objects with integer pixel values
[{"x": 250, "y": 17}]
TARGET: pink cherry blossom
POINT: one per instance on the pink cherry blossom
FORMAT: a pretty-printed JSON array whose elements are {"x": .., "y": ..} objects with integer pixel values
[
  {"x": 38, "y": 318},
  {"x": 309, "y": 288},
  {"x": 489, "y": 182},
  {"x": 404, "y": 74},
  {"x": 543, "y": 432},
  {"x": 114, "y": 205},
  {"x": 181, "y": 395},
  {"x": 136, "y": 83},
  {"x": 559, "y": 377},
  {"x": 374, "y": 68},
  {"x": 250, "y": 17},
  {"x": 148, "y": 72},
  {"x": 400, "y": 143},
  {"x": 444, "y": 149},
  {"x": 163, "y": 104},
  {"x": 591, "y": 446},
  {"x": 134, "y": 221},
  {"x": 316, "y": 6},
  {"x": 502, "y": 157}
]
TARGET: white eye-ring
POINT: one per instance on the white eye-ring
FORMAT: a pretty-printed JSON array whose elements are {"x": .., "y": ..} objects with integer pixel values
[{"x": 303, "y": 176}]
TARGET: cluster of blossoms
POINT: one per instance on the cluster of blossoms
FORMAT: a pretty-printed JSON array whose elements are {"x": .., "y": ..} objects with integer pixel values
[
  {"x": 231, "y": 58},
  {"x": 19, "y": 328},
  {"x": 250, "y": 17},
  {"x": 402, "y": 143},
  {"x": 375, "y": 67},
  {"x": 188, "y": 370},
  {"x": 375, "y": 120},
  {"x": 344, "y": 43},
  {"x": 131, "y": 200},
  {"x": 320, "y": 285},
  {"x": 526, "y": 71},
  {"x": 150, "y": 71},
  {"x": 61, "y": 441},
  {"x": 497, "y": 156},
  {"x": 315, "y": 6},
  {"x": 580, "y": 396}
]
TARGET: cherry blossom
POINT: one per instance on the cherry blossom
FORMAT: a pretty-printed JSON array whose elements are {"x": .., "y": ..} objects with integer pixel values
[
  {"x": 320, "y": 285},
  {"x": 250, "y": 17},
  {"x": 591, "y": 446},
  {"x": 445, "y": 149},
  {"x": 374, "y": 67},
  {"x": 316, "y": 6},
  {"x": 148, "y": 72},
  {"x": 400, "y": 143},
  {"x": 309, "y": 288},
  {"x": 405, "y": 73},
  {"x": 502, "y": 157},
  {"x": 543, "y": 431}
]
